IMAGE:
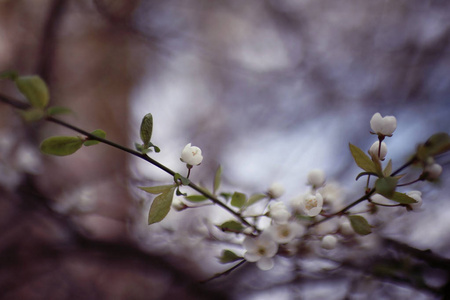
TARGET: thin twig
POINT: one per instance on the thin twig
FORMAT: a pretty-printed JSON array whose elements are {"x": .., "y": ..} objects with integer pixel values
[
  {"x": 224, "y": 273},
  {"x": 21, "y": 105}
]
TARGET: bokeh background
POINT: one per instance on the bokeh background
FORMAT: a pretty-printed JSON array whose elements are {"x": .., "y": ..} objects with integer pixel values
[{"x": 268, "y": 89}]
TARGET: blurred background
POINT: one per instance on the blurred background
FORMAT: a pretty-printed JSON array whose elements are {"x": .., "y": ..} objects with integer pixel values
[{"x": 269, "y": 90}]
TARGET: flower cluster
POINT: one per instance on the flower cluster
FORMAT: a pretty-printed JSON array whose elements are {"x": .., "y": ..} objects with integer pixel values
[
  {"x": 318, "y": 217},
  {"x": 286, "y": 226}
]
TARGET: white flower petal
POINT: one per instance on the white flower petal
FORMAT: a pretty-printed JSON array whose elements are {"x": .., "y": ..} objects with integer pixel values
[
  {"x": 373, "y": 151},
  {"x": 250, "y": 244},
  {"x": 252, "y": 256},
  {"x": 265, "y": 263}
]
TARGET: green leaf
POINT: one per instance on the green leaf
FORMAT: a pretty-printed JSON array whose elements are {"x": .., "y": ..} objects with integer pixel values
[
  {"x": 146, "y": 129},
  {"x": 9, "y": 75},
  {"x": 160, "y": 206},
  {"x": 58, "y": 110},
  {"x": 386, "y": 186},
  {"x": 32, "y": 114},
  {"x": 217, "y": 179},
  {"x": 157, "y": 150},
  {"x": 238, "y": 199},
  {"x": 402, "y": 198},
  {"x": 232, "y": 225},
  {"x": 388, "y": 170},
  {"x": 437, "y": 144},
  {"x": 98, "y": 132},
  {"x": 254, "y": 199},
  {"x": 180, "y": 193},
  {"x": 34, "y": 89},
  {"x": 196, "y": 198},
  {"x": 61, "y": 145},
  {"x": 360, "y": 225},
  {"x": 228, "y": 257},
  {"x": 157, "y": 189},
  {"x": 362, "y": 160},
  {"x": 226, "y": 196}
]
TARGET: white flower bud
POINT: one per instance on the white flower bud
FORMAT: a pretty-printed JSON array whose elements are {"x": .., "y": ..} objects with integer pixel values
[
  {"x": 383, "y": 125},
  {"x": 191, "y": 155},
  {"x": 346, "y": 228},
  {"x": 328, "y": 242},
  {"x": 276, "y": 190},
  {"x": 373, "y": 151},
  {"x": 416, "y": 195},
  {"x": 312, "y": 204},
  {"x": 316, "y": 178},
  {"x": 279, "y": 213},
  {"x": 178, "y": 205},
  {"x": 433, "y": 171}
]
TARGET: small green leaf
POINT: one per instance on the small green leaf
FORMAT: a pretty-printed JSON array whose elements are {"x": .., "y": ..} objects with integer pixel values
[
  {"x": 180, "y": 193},
  {"x": 34, "y": 89},
  {"x": 254, "y": 199},
  {"x": 402, "y": 198},
  {"x": 217, "y": 179},
  {"x": 386, "y": 186},
  {"x": 226, "y": 196},
  {"x": 228, "y": 257},
  {"x": 61, "y": 145},
  {"x": 98, "y": 132},
  {"x": 160, "y": 206},
  {"x": 146, "y": 129},
  {"x": 232, "y": 225},
  {"x": 360, "y": 225},
  {"x": 9, "y": 75},
  {"x": 157, "y": 189},
  {"x": 388, "y": 170},
  {"x": 196, "y": 198},
  {"x": 58, "y": 110},
  {"x": 238, "y": 199},
  {"x": 32, "y": 114},
  {"x": 362, "y": 160},
  {"x": 437, "y": 144}
]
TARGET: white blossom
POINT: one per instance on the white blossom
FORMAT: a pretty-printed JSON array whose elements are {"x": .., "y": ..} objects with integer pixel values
[
  {"x": 276, "y": 190},
  {"x": 373, "y": 151},
  {"x": 260, "y": 249},
  {"x": 191, "y": 155},
  {"x": 384, "y": 126},
  {"x": 416, "y": 195},
  {"x": 316, "y": 178},
  {"x": 433, "y": 171},
  {"x": 312, "y": 204},
  {"x": 278, "y": 213},
  {"x": 284, "y": 233},
  {"x": 328, "y": 242}
]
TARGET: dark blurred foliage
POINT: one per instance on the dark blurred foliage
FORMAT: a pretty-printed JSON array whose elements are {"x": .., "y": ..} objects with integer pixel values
[{"x": 239, "y": 70}]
